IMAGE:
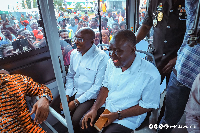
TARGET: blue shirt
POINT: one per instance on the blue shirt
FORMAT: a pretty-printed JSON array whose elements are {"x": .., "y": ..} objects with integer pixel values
[{"x": 188, "y": 59}]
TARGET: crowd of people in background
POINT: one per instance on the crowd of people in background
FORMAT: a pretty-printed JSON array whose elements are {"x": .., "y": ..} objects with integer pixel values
[{"x": 19, "y": 34}]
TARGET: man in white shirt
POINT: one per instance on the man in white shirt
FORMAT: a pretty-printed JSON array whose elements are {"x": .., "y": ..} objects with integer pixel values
[
  {"x": 131, "y": 88},
  {"x": 109, "y": 17},
  {"x": 85, "y": 74}
]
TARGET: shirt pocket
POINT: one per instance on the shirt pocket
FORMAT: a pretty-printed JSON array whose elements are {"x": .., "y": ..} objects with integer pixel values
[{"x": 88, "y": 73}]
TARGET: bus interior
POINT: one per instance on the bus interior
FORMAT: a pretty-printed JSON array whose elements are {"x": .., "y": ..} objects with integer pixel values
[{"x": 45, "y": 61}]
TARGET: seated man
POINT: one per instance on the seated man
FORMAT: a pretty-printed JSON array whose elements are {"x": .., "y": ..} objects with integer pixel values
[
  {"x": 85, "y": 74},
  {"x": 14, "y": 113},
  {"x": 131, "y": 88}
]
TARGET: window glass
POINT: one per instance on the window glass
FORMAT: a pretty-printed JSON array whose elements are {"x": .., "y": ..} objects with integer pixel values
[
  {"x": 142, "y": 12},
  {"x": 19, "y": 27},
  {"x": 74, "y": 14}
]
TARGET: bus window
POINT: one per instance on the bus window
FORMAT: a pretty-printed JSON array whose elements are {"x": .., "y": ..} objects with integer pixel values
[
  {"x": 113, "y": 18},
  {"x": 19, "y": 28},
  {"x": 72, "y": 15}
]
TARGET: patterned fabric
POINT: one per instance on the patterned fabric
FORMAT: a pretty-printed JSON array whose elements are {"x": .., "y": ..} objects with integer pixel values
[
  {"x": 188, "y": 62},
  {"x": 14, "y": 114}
]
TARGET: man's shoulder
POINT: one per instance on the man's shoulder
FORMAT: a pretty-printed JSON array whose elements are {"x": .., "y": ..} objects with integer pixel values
[
  {"x": 150, "y": 69},
  {"x": 100, "y": 52}
]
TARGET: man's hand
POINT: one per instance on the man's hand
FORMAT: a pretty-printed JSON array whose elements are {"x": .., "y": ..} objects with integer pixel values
[
  {"x": 92, "y": 115},
  {"x": 111, "y": 117},
  {"x": 72, "y": 106},
  {"x": 169, "y": 66},
  {"x": 41, "y": 107}
]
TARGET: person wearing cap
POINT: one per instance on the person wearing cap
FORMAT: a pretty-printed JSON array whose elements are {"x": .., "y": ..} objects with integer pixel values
[{"x": 25, "y": 25}]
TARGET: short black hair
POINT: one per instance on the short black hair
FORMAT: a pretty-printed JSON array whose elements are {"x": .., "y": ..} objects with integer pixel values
[
  {"x": 104, "y": 19},
  {"x": 95, "y": 20},
  {"x": 60, "y": 31},
  {"x": 122, "y": 23},
  {"x": 87, "y": 30},
  {"x": 115, "y": 24},
  {"x": 125, "y": 36}
]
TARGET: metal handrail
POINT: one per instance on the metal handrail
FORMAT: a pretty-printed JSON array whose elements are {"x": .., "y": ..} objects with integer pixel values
[{"x": 50, "y": 27}]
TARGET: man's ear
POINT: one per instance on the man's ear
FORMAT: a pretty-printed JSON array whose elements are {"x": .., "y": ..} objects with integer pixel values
[
  {"x": 2, "y": 71},
  {"x": 133, "y": 48},
  {"x": 92, "y": 41}
]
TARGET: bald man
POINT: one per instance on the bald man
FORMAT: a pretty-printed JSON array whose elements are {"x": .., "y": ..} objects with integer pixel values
[{"x": 85, "y": 74}]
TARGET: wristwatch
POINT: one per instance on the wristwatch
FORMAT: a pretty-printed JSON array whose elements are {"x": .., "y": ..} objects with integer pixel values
[
  {"x": 47, "y": 97},
  {"x": 119, "y": 115},
  {"x": 76, "y": 104}
]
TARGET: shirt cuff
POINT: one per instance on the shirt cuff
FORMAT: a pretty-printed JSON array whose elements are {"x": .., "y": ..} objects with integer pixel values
[
  {"x": 69, "y": 92},
  {"x": 148, "y": 105},
  {"x": 82, "y": 99}
]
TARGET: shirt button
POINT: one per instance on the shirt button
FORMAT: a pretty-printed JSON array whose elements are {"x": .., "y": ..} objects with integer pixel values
[
  {"x": 171, "y": 11},
  {"x": 163, "y": 54},
  {"x": 168, "y": 26},
  {"x": 165, "y": 41}
]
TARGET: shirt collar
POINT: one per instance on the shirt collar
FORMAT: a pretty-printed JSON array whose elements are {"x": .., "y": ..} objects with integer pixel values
[
  {"x": 136, "y": 65},
  {"x": 90, "y": 51}
]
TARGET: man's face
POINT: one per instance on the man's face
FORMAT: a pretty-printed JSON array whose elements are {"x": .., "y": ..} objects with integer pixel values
[
  {"x": 93, "y": 24},
  {"x": 123, "y": 27},
  {"x": 110, "y": 14},
  {"x": 72, "y": 22},
  {"x": 34, "y": 26},
  {"x": 82, "y": 42},
  {"x": 97, "y": 38},
  {"x": 121, "y": 53},
  {"x": 103, "y": 23},
  {"x": 64, "y": 35},
  {"x": 115, "y": 29}
]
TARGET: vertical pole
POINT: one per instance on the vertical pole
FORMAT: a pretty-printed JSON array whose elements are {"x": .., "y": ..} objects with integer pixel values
[{"x": 49, "y": 20}]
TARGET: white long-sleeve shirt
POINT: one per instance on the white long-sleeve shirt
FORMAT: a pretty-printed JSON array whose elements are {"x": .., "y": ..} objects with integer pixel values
[
  {"x": 139, "y": 84},
  {"x": 86, "y": 73}
]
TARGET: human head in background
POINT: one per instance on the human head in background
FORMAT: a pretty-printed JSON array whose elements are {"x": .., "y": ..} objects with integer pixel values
[
  {"x": 94, "y": 23},
  {"x": 109, "y": 11},
  {"x": 123, "y": 25},
  {"x": 104, "y": 22},
  {"x": 84, "y": 39},
  {"x": 72, "y": 22},
  {"x": 34, "y": 25},
  {"x": 97, "y": 38},
  {"x": 115, "y": 28},
  {"x": 105, "y": 36},
  {"x": 63, "y": 34}
]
